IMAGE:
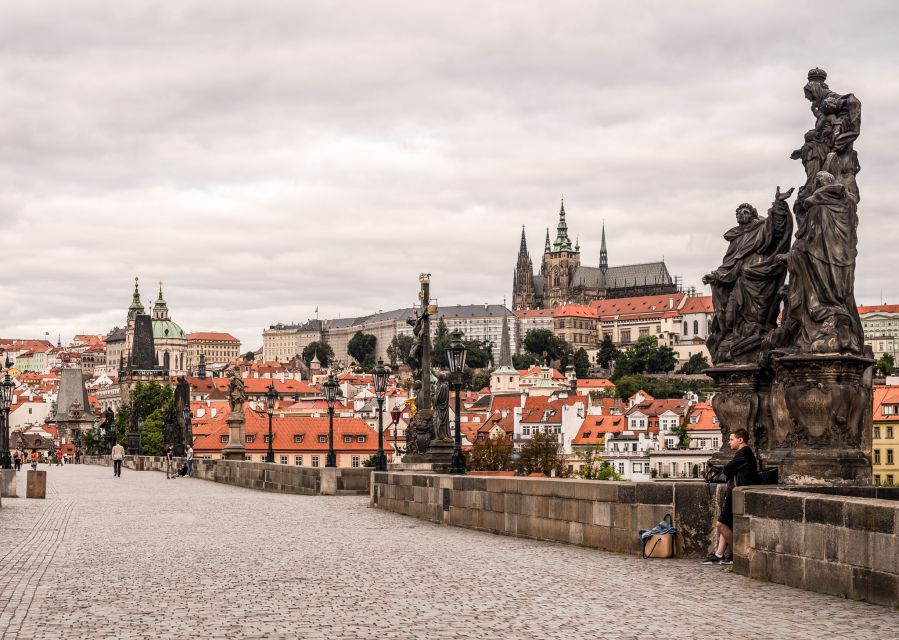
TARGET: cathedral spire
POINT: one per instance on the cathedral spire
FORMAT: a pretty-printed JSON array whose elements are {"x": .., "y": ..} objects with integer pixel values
[
  {"x": 505, "y": 348},
  {"x": 548, "y": 247},
  {"x": 603, "y": 254},
  {"x": 523, "y": 248},
  {"x": 563, "y": 242}
]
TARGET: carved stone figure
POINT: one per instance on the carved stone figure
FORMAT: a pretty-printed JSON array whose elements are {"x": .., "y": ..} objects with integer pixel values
[
  {"x": 837, "y": 125},
  {"x": 184, "y": 436},
  {"x": 823, "y": 316},
  {"x": 237, "y": 395},
  {"x": 745, "y": 288},
  {"x": 441, "y": 412}
]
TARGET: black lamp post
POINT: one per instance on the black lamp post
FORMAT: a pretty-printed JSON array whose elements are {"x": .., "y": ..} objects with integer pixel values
[
  {"x": 331, "y": 389},
  {"x": 271, "y": 397},
  {"x": 6, "y": 389},
  {"x": 395, "y": 414},
  {"x": 455, "y": 354},
  {"x": 380, "y": 375}
]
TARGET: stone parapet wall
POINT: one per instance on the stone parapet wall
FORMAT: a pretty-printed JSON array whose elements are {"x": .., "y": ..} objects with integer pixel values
[
  {"x": 260, "y": 475},
  {"x": 602, "y": 515},
  {"x": 842, "y": 545}
]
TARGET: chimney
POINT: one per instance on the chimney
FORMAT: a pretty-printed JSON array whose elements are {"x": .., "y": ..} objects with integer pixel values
[{"x": 670, "y": 303}]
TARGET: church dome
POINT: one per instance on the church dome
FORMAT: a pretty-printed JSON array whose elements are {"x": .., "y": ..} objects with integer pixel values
[{"x": 167, "y": 330}]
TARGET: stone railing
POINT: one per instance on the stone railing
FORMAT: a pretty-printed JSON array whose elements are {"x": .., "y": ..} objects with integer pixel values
[
  {"x": 279, "y": 478},
  {"x": 844, "y": 545},
  {"x": 602, "y": 515}
]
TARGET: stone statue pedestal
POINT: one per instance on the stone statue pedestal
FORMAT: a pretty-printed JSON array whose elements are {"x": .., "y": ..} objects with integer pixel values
[
  {"x": 742, "y": 403},
  {"x": 8, "y": 483},
  {"x": 235, "y": 449},
  {"x": 821, "y": 412}
]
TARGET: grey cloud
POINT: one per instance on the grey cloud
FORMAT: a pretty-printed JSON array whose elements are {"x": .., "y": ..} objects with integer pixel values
[{"x": 266, "y": 160}]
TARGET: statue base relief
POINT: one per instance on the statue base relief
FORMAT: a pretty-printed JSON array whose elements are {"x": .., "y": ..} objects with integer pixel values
[
  {"x": 741, "y": 403},
  {"x": 437, "y": 459},
  {"x": 822, "y": 419}
]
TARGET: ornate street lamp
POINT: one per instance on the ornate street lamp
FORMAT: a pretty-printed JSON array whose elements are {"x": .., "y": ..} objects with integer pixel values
[
  {"x": 6, "y": 389},
  {"x": 380, "y": 375},
  {"x": 395, "y": 414},
  {"x": 455, "y": 354},
  {"x": 331, "y": 391},
  {"x": 271, "y": 397}
]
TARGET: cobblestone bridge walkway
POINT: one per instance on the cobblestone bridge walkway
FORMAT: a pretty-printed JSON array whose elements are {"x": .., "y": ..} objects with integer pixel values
[{"x": 146, "y": 557}]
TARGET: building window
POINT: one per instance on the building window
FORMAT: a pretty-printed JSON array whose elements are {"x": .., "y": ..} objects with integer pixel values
[
  {"x": 298, "y": 439},
  {"x": 347, "y": 439},
  {"x": 283, "y": 459},
  {"x": 224, "y": 439},
  {"x": 251, "y": 439},
  {"x": 638, "y": 468},
  {"x": 625, "y": 336},
  {"x": 685, "y": 327},
  {"x": 876, "y": 479},
  {"x": 696, "y": 326},
  {"x": 644, "y": 331},
  {"x": 323, "y": 438},
  {"x": 360, "y": 438},
  {"x": 889, "y": 433},
  {"x": 889, "y": 456},
  {"x": 890, "y": 479},
  {"x": 298, "y": 461},
  {"x": 355, "y": 462},
  {"x": 621, "y": 467},
  {"x": 265, "y": 439},
  {"x": 876, "y": 456},
  {"x": 314, "y": 461},
  {"x": 526, "y": 430}
]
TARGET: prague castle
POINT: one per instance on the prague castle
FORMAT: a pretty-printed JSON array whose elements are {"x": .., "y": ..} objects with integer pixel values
[{"x": 564, "y": 280}]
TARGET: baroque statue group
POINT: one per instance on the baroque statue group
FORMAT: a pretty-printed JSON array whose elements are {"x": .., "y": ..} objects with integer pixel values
[{"x": 786, "y": 339}]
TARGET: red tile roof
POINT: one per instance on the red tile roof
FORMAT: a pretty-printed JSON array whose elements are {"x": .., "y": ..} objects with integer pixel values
[
  {"x": 594, "y": 429},
  {"x": 595, "y": 383},
  {"x": 698, "y": 304},
  {"x": 212, "y": 336},
  {"x": 534, "y": 313},
  {"x": 574, "y": 310},
  {"x": 705, "y": 416},
  {"x": 888, "y": 308},
  {"x": 885, "y": 394}
]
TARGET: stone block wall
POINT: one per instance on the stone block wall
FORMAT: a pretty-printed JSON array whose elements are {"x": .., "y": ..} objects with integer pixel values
[
  {"x": 842, "y": 545},
  {"x": 602, "y": 515},
  {"x": 260, "y": 475}
]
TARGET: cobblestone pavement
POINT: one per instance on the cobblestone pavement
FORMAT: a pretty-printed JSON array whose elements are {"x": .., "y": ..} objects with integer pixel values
[{"x": 146, "y": 557}]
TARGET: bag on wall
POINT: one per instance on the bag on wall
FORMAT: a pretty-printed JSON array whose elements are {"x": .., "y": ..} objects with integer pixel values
[
  {"x": 658, "y": 542},
  {"x": 714, "y": 473}
]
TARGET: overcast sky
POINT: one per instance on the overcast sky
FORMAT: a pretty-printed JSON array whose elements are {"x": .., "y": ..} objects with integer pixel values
[{"x": 266, "y": 158}]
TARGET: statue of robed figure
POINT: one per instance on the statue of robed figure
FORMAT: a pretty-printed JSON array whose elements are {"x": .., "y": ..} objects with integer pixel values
[{"x": 745, "y": 288}]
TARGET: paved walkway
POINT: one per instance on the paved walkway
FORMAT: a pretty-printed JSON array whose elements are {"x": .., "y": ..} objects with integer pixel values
[{"x": 146, "y": 557}]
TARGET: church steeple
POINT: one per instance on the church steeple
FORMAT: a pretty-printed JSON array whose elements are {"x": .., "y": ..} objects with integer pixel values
[
  {"x": 523, "y": 292},
  {"x": 136, "y": 307},
  {"x": 563, "y": 242},
  {"x": 603, "y": 255},
  {"x": 523, "y": 248},
  {"x": 160, "y": 308},
  {"x": 548, "y": 247},
  {"x": 505, "y": 348}
]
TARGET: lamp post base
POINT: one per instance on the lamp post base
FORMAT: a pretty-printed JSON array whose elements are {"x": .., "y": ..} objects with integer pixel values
[
  {"x": 331, "y": 460},
  {"x": 458, "y": 465},
  {"x": 381, "y": 461}
]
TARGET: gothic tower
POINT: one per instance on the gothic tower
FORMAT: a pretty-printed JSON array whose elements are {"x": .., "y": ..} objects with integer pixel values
[
  {"x": 560, "y": 261},
  {"x": 603, "y": 255},
  {"x": 523, "y": 292}
]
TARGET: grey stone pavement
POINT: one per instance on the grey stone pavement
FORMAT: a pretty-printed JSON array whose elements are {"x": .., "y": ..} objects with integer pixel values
[{"x": 146, "y": 557}]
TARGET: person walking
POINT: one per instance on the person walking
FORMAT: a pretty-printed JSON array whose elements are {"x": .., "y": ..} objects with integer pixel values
[
  {"x": 77, "y": 455},
  {"x": 59, "y": 457},
  {"x": 118, "y": 454},
  {"x": 741, "y": 471},
  {"x": 16, "y": 460},
  {"x": 34, "y": 459},
  {"x": 190, "y": 460},
  {"x": 169, "y": 460}
]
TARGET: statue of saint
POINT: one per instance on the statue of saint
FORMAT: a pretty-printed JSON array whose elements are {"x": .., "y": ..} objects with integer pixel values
[
  {"x": 837, "y": 125},
  {"x": 746, "y": 287},
  {"x": 823, "y": 316},
  {"x": 237, "y": 395},
  {"x": 441, "y": 412}
]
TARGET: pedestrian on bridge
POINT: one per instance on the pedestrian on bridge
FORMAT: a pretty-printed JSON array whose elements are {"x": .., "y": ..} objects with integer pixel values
[
  {"x": 190, "y": 460},
  {"x": 169, "y": 462},
  {"x": 17, "y": 460},
  {"x": 118, "y": 455},
  {"x": 34, "y": 459}
]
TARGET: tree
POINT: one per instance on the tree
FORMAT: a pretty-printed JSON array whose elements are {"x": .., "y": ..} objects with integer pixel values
[
  {"x": 94, "y": 441},
  {"x": 594, "y": 467},
  {"x": 525, "y": 360},
  {"x": 122, "y": 420},
  {"x": 442, "y": 340},
  {"x": 479, "y": 355},
  {"x": 886, "y": 365},
  {"x": 477, "y": 380},
  {"x": 540, "y": 341},
  {"x": 660, "y": 388},
  {"x": 696, "y": 364},
  {"x": 581, "y": 363},
  {"x": 398, "y": 349},
  {"x": 319, "y": 349},
  {"x": 151, "y": 437},
  {"x": 361, "y": 348},
  {"x": 249, "y": 355},
  {"x": 540, "y": 454},
  {"x": 683, "y": 440},
  {"x": 645, "y": 356},
  {"x": 607, "y": 353},
  {"x": 491, "y": 455}
]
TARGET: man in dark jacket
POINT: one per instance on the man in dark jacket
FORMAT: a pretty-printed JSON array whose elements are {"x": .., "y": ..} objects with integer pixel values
[{"x": 742, "y": 470}]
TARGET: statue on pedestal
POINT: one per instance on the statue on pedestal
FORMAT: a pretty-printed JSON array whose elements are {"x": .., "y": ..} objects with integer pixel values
[
  {"x": 745, "y": 288},
  {"x": 237, "y": 394}
]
